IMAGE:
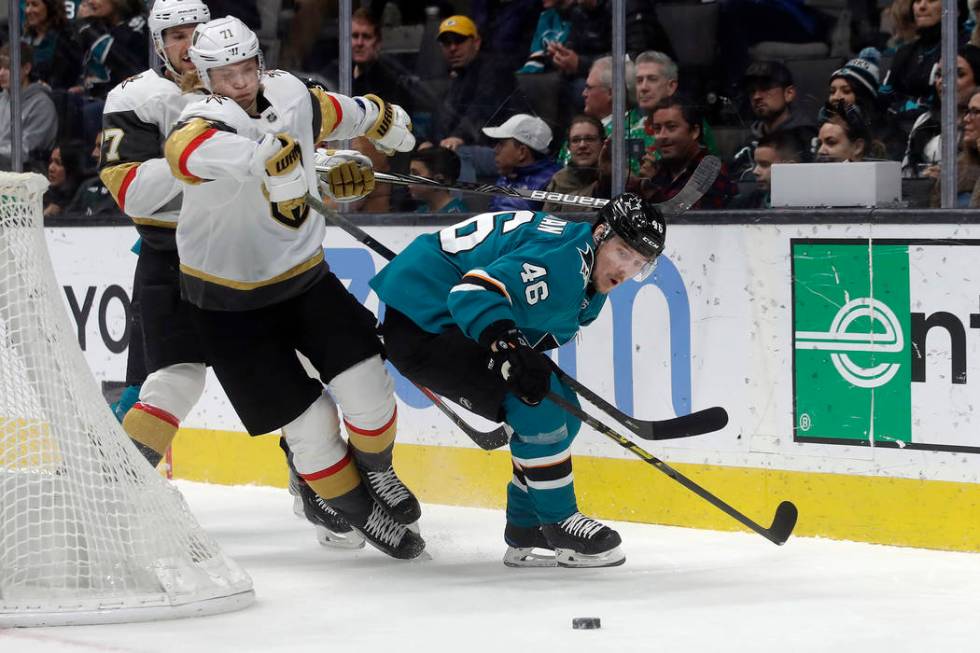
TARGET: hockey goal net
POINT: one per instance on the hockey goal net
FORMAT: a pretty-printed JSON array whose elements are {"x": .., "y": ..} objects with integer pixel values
[{"x": 89, "y": 532}]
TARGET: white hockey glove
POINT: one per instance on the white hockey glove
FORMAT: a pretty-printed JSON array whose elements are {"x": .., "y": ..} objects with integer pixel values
[
  {"x": 390, "y": 129},
  {"x": 345, "y": 175},
  {"x": 278, "y": 160}
]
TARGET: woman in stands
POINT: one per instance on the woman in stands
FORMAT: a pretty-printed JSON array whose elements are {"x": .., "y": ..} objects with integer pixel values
[
  {"x": 845, "y": 135},
  {"x": 114, "y": 35},
  {"x": 66, "y": 170},
  {"x": 56, "y": 55}
]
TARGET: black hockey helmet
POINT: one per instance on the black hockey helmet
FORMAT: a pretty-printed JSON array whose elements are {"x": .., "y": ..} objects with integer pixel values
[{"x": 638, "y": 222}]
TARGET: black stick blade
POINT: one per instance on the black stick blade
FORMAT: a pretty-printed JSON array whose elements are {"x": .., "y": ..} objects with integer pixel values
[
  {"x": 784, "y": 522},
  {"x": 685, "y": 426}
]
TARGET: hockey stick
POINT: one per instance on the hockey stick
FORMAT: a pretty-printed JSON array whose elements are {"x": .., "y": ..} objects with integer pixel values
[
  {"x": 696, "y": 423},
  {"x": 487, "y": 440},
  {"x": 580, "y": 201},
  {"x": 699, "y": 184},
  {"x": 782, "y": 523}
]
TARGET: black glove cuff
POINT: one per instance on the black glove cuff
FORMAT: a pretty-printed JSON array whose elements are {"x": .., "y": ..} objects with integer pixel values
[{"x": 494, "y": 331}]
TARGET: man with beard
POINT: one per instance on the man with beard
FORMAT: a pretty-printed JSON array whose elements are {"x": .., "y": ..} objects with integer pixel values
[{"x": 769, "y": 87}]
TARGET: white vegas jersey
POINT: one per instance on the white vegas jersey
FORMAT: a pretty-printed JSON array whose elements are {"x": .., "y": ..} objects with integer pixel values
[
  {"x": 138, "y": 115},
  {"x": 238, "y": 250}
]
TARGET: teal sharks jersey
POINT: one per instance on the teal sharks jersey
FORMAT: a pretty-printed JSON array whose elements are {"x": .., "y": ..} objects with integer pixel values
[{"x": 525, "y": 266}]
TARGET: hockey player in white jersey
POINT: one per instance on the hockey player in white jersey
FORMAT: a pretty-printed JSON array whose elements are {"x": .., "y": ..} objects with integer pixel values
[
  {"x": 252, "y": 266},
  {"x": 139, "y": 114}
]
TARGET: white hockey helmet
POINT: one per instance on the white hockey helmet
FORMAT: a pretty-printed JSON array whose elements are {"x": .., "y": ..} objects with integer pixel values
[
  {"x": 172, "y": 13},
  {"x": 221, "y": 42}
]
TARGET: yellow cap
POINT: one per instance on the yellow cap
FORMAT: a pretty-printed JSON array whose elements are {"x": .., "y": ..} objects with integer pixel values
[{"x": 458, "y": 25}]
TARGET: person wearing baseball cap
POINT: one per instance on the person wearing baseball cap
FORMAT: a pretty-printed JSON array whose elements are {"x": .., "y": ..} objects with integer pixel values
[
  {"x": 771, "y": 93},
  {"x": 478, "y": 89},
  {"x": 521, "y": 154}
]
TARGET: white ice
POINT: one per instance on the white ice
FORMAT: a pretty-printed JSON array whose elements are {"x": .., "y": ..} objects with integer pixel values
[{"x": 680, "y": 590}]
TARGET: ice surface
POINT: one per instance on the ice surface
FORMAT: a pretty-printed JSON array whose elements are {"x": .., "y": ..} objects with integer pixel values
[{"x": 680, "y": 590}]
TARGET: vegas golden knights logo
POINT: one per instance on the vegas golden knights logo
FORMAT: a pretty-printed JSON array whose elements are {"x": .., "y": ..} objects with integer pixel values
[{"x": 292, "y": 213}]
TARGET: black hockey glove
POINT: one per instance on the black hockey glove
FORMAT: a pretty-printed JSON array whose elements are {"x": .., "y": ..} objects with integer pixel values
[{"x": 525, "y": 371}]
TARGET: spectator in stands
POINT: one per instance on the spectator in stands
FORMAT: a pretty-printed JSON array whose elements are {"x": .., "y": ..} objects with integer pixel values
[
  {"x": 598, "y": 99},
  {"x": 114, "y": 38},
  {"x": 676, "y": 125},
  {"x": 521, "y": 154},
  {"x": 581, "y": 173},
  {"x": 777, "y": 147},
  {"x": 478, "y": 89},
  {"x": 769, "y": 86},
  {"x": 971, "y": 144},
  {"x": 924, "y": 145},
  {"x": 590, "y": 37},
  {"x": 92, "y": 197},
  {"x": 898, "y": 22},
  {"x": 845, "y": 135},
  {"x": 372, "y": 71},
  {"x": 38, "y": 118},
  {"x": 66, "y": 170},
  {"x": 56, "y": 56},
  {"x": 480, "y": 92},
  {"x": 908, "y": 88},
  {"x": 655, "y": 75},
  {"x": 442, "y": 165},
  {"x": 967, "y": 161},
  {"x": 857, "y": 82},
  {"x": 553, "y": 27}
]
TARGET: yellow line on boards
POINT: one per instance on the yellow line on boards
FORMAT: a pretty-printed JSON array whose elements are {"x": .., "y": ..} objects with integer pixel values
[{"x": 906, "y": 512}]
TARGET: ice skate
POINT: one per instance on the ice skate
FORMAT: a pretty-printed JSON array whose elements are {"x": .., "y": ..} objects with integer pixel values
[
  {"x": 581, "y": 541},
  {"x": 387, "y": 535},
  {"x": 394, "y": 497},
  {"x": 525, "y": 546},
  {"x": 332, "y": 530}
]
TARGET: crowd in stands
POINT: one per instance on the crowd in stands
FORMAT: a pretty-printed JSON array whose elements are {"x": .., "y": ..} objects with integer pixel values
[{"x": 519, "y": 93}]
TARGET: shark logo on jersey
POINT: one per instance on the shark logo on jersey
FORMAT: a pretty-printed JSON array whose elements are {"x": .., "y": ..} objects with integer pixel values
[{"x": 588, "y": 261}]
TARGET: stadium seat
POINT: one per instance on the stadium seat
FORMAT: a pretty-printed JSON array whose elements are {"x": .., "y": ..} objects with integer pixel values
[{"x": 698, "y": 23}]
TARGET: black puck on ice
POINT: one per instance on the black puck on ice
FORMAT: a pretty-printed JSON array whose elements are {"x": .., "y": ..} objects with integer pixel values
[{"x": 585, "y": 623}]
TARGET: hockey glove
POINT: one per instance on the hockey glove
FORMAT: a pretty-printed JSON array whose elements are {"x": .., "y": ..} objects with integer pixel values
[
  {"x": 391, "y": 128},
  {"x": 278, "y": 159},
  {"x": 349, "y": 174},
  {"x": 526, "y": 372}
]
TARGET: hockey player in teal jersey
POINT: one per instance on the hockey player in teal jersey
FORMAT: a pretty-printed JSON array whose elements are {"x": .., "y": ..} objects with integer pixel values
[{"x": 469, "y": 311}]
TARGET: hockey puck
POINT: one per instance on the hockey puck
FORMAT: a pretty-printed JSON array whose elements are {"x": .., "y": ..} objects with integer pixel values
[{"x": 585, "y": 623}]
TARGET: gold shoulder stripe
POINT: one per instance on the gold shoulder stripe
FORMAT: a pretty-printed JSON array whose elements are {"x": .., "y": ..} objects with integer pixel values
[
  {"x": 152, "y": 222},
  {"x": 181, "y": 144},
  {"x": 117, "y": 179},
  {"x": 330, "y": 111},
  {"x": 294, "y": 271}
]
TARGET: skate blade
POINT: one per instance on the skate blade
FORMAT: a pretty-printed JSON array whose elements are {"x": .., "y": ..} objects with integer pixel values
[
  {"x": 332, "y": 540},
  {"x": 298, "y": 507},
  {"x": 570, "y": 558},
  {"x": 526, "y": 557}
]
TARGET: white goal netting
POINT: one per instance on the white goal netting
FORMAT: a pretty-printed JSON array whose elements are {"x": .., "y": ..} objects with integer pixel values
[{"x": 89, "y": 532}]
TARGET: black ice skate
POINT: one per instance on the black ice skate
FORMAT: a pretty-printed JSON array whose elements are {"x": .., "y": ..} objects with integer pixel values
[
  {"x": 581, "y": 541},
  {"x": 387, "y": 535},
  {"x": 332, "y": 530},
  {"x": 388, "y": 490},
  {"x": 521, "y": 544}
]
